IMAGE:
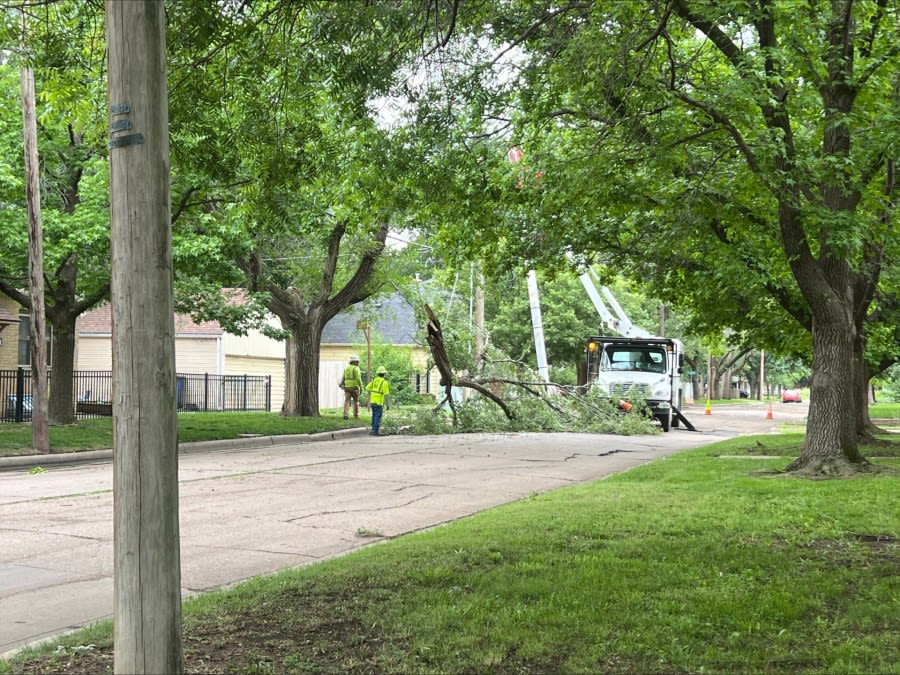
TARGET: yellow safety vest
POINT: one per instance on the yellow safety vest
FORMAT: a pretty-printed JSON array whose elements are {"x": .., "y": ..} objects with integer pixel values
[
  {"x": 352, "y": 377},
  {"x": 378, "y": 389}
]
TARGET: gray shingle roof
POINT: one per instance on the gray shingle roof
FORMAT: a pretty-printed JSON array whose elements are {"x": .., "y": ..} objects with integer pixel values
[{"x": 394, "y": 321}]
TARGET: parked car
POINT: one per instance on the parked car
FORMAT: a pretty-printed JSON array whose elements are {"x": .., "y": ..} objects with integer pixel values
[
  {"x": 11, "y": 401},
  {"x": 791, "y": 396}
]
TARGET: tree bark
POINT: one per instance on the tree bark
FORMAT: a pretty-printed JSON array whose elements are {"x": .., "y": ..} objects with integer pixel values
[
  {"x": 302, "y": 395},
  {"x": 61, "y": 408},
  {"x": 831, "y": 442},
  {"x": 147, "y": 570}
]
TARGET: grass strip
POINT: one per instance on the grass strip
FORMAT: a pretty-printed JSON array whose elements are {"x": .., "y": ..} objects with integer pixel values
[{"x": 94, "y": 434}]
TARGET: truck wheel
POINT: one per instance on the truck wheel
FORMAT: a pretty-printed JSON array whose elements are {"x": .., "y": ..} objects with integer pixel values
[{"x": 664, "y": 421}]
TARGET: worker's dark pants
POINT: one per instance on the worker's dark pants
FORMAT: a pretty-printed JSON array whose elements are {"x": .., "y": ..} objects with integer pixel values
[{"x": 377, "y": 412}]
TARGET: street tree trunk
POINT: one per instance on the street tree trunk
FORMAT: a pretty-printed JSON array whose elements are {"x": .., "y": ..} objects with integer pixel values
[
  {"x": 61, "y": 407},
  {"x": 302, "y": 369},
  {"x": 831, "y": 446},
  {"x": 147, "y": 572}
]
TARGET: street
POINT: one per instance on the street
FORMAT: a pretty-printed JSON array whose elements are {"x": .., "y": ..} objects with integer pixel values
[{"x": 251, "y": 511}]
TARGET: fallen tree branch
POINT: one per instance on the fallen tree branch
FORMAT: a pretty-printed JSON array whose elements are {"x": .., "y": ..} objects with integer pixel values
[{"x": 484, "y": 391}]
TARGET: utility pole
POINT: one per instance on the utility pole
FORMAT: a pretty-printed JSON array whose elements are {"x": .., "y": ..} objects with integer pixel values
[
  {"x": 147, "y": 557},
  {"x": 40, "y": 433},
  {"x": 479, "y": 317},
  {"x": 537, "y": 325},
  {"x": 762, "y": 374}
]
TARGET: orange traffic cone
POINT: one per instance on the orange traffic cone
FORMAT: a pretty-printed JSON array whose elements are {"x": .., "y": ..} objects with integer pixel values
[
  {"x": 769, "y": 414},
  {"x": 625, "y": 405},
  {"x": 708, "y": 410}
]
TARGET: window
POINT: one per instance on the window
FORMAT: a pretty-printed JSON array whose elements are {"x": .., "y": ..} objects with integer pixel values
[
  {"x": 627, "y": 358},
  {"x": 25, "y": 340}
]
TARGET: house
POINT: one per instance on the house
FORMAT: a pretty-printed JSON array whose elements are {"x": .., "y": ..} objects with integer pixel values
[
  {"x": 392, "y": 321},
  {"x": 206, "y": 348},
  {"x": 9, "y": 333}
]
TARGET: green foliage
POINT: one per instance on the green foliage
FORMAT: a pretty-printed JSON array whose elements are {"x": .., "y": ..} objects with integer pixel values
[
  {"x": 658, "y": 151},
  {"x": 567, "y": 315},
  {"x": 66, "y": 52},
  {"x": 400, "y": 370},
  {"x": 889, "y": 384},
  {"x": 568, "y": 412}
]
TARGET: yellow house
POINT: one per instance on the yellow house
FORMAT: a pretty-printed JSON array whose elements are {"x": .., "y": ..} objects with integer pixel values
[
  {"x": 9, "y": 333},
  {"x": 206, "y": 348}
]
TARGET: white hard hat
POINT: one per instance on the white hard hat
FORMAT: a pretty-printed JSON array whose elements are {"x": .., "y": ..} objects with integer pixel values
[{"x": 353, "y": 357}]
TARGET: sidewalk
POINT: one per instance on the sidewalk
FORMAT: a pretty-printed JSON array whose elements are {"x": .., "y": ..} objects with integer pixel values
[{"x": 56, "y": 458}]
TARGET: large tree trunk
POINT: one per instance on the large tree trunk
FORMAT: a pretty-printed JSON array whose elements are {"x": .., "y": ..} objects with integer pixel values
[
  {"x": 302, "y": 369},
  {"x": 831, "y": 441},
  {"x": 61, "y": 403}
]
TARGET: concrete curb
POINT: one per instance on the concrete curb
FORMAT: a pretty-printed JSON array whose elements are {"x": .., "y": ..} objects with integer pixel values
[{"x": 33, "y": 461}]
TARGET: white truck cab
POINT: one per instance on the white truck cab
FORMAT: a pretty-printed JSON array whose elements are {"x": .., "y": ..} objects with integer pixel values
[{"x": 646, "y": 369}]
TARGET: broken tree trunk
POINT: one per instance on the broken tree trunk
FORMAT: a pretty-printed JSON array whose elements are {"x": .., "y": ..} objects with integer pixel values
[{"x": 442, "y": 362}]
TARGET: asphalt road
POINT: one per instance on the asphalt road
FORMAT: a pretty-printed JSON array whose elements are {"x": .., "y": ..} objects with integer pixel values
[{"x": 247, "y": 511}]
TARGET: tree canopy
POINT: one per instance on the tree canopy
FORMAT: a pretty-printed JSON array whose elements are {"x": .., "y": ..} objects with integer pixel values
[{"x": 721, "y": 149}]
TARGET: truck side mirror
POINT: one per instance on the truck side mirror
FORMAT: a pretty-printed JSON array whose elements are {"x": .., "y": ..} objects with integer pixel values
[{"x": 680, "y": 364}]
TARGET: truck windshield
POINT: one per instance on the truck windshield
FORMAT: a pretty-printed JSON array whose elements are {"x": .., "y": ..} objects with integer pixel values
[{"x": 649, "y": 360}]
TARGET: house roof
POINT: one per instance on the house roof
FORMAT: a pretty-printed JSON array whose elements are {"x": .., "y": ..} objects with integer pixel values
[
  {"x": 392, "y": 319},
  {"x": 99, "y": 322},
  {"x": 7, "y": 318}
]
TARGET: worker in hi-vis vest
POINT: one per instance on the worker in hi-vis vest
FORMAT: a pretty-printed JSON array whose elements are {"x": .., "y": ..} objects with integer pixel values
[
  {"x": 379, "y": 389},
  {"x": 351, "y": 383}
]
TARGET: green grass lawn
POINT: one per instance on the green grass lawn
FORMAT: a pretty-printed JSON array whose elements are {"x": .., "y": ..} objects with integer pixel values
[
  {"x": 93, "y": 434},
  {"x": 697, "y": 562},
  {"x": 885, "y": 411}
]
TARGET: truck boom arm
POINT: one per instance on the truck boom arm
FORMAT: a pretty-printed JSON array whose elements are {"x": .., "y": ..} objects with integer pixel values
[{"x": 620, "y": 323}]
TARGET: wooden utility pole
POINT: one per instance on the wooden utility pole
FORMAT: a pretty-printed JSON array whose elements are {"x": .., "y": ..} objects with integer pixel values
[
  {"x": 762, "y": 375},
  {"x": 40, "y": 435},
  {"x": 147, "y": 572},
  {"x": 479, "y": 318}
]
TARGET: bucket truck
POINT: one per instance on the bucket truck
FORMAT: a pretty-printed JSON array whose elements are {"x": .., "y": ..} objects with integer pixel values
[{"x": 634, "y": 364}]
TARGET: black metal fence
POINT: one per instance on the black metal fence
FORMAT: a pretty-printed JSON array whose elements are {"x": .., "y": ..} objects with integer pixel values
[{"x": 93, "y": 393}]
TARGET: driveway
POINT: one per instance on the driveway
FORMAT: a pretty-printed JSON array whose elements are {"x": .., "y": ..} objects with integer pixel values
[{"x": 247, "y": 511}]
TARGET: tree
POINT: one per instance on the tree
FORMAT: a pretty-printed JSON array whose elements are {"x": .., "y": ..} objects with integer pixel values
[
  {"x": 761, "y": 126},
  {"x": 65, "y": 46},
  {"x": 300, "y": 185}
]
